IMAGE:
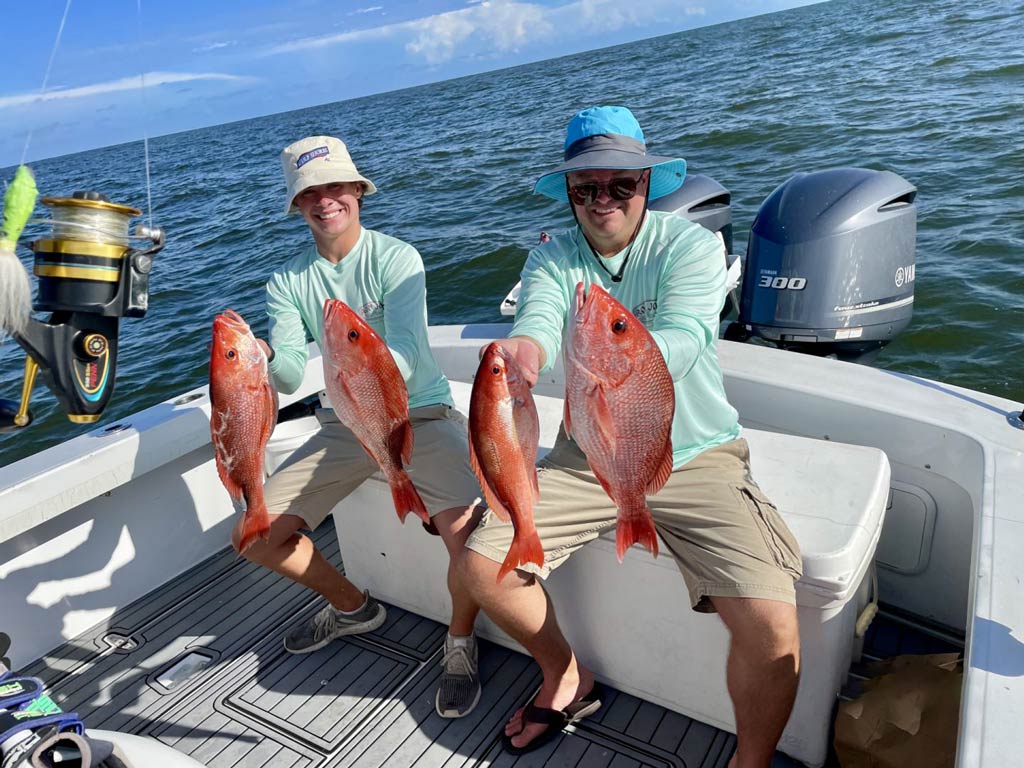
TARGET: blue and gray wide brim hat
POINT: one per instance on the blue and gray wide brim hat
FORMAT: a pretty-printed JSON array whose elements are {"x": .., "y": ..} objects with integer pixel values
[{"x": 610, "y": 138}]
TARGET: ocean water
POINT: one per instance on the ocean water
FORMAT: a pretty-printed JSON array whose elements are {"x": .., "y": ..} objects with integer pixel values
[{"x": 929, "y": 89}]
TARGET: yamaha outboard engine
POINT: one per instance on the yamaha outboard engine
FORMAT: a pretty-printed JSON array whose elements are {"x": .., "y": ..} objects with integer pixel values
[
  {"x": 704, "y": 201},
  {"x": 830, "y": 264}
]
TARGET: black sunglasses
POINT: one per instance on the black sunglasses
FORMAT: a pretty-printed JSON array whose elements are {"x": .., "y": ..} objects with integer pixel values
[{"x": 618, "y": 189}]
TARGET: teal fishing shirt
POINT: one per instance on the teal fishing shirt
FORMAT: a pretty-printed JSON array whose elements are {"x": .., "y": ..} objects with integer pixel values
[
  {"x": 382, "y": 279},
  {"x": 675, "y": 283}
]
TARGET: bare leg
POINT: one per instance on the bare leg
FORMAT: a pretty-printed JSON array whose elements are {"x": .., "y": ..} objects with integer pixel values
[
  {"x": 520, "y": 606},
  {"x": 455, "y": 525},
  {"x": 762, "y": 673},
  {"x": 294, "y": 556}
]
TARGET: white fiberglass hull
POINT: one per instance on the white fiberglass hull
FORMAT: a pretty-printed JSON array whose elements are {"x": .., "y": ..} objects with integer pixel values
[{"x": 103, "y": 519}]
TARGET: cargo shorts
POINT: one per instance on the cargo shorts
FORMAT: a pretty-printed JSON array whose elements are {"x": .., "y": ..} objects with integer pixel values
[
  {"x": 332, "y": 464},
  {"x": 726, "y": 537}
]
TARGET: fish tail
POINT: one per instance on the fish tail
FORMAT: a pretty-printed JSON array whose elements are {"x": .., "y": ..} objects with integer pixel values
[
  {"x": 255, "y": 525},
  {"x": 407, "y": 498},
  {"x": 526, "y": 548},
  {"x": 635, "y": 526}
]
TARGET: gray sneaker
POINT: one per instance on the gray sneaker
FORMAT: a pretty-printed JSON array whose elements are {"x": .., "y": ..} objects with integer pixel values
[
  {"x": 329, "y": 624},
  {"x": 459, "y": 689}
]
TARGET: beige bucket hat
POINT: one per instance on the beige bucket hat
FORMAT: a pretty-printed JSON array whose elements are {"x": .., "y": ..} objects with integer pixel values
[{"x": 318, "y": 160}]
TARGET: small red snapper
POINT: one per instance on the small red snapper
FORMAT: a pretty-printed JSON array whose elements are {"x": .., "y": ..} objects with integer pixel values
[
  {"x": 619, "y": 404},
  {"x": 369, "y": 396},
  {"x": 243, "y": 414},
  {"x": 504, "y": 430}
]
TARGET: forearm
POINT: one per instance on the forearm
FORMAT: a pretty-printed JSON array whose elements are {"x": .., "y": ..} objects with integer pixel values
[{"x": 287, "y": 369}]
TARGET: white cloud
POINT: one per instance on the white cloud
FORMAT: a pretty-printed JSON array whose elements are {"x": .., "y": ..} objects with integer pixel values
[
  {"x": 598, "y": 16},
  {"x": 355, "y": 36},
  {"x": 503, "y": 25},
  {"x": 371, "y": 9},
  {"x": 214, "y": 46},
  {"x": 151, "y": 79}
]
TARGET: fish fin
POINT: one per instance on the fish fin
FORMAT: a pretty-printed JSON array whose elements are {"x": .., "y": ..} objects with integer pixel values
[
  {"x": 527, "y": 423},
  {"x": 399, "y": 444},
  {"x": 635, "y": 526},
  {"x": 405, "y": 430},
  {"x": 270, "y": 399},
  {"x": 664, "y": 470},
  {"x": 275, "y": 406},
  {"x": 407, "y": 498},
  {"x": 255, "y": 525},
  {"x": 604, "y": 483},
  {"x": 603, "y": 419},
  {"x": 489, "y": 495},
  {"x": 566, "y": 420},
  {"x": 525, "y": 548}
]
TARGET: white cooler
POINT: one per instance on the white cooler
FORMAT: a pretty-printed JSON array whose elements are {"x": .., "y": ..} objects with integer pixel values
[
  {"x": 288, "y": 437},
  {"x": 631, "y": 623}
]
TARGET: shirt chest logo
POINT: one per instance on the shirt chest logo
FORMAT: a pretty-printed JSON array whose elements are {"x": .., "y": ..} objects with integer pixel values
[
  {"x": 646, "y": 311},
  {"x": 371, "y": 309}
]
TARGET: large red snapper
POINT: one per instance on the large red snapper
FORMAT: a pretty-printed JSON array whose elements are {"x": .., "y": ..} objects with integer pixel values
[
  {"x": 504, "y": 430},
  {"x": 243, "y": 414},
  {"x": 369, "y": 396},
  {"x": 619, "y": 404}
]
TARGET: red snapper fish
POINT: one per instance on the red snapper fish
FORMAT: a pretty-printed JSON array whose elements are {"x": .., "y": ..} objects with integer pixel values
[
  {"x": 619, "y": 404},
  {"x": 504, "y": 430},
  {"x": 369, "y": 396},
  {"x": 243, "y": 414}
]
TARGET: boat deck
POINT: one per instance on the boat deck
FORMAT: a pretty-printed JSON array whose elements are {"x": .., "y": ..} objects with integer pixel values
[{"x": 361, "y": 701}]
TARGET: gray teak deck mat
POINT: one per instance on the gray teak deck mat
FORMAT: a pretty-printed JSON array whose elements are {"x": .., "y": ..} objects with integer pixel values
[{"x": 362, "y": 701}]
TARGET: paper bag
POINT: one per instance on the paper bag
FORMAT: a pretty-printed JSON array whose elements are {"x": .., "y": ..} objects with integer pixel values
[{"x": 907, "y": 716}]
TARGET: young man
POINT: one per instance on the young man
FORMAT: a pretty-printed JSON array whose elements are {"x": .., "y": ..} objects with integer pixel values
[
  {"x": 382, "y": 278},
  {"x": 737, "y": 556}
]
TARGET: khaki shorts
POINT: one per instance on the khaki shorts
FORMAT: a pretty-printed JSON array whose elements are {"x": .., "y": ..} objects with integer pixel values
[
  {"x": 726, "y": 537},
  {"x": 332, "y": 464}
]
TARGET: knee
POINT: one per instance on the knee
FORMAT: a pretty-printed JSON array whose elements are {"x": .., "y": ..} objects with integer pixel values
[
  {"x": 770, "y": 632},
  {"x": 465, "y": 567},
  {"x": 455, "y": 525},
  {"x": 782, "y": 635},
  {"x": 476, "y": 572},
  {"x": 282, "y": 534}
]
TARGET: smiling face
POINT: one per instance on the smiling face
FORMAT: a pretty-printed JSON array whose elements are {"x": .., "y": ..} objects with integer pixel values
[
  {"x": 609, "y": 223},
  {"x": 332, "y": 213}
]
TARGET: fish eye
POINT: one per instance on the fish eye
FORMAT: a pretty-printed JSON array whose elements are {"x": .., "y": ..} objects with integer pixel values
[
  {"x": 619, "y": 326},
  {"x": 231, "y": 354},
  {"x": 353, "y": 335},
  {"x": 495, "y": 370}
]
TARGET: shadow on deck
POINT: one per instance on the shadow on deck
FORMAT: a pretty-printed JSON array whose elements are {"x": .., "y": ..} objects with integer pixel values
[{"x": 240, "y": 700}]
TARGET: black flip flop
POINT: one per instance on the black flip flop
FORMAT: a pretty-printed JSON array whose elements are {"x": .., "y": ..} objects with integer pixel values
[{"x": 554, "y": 719}]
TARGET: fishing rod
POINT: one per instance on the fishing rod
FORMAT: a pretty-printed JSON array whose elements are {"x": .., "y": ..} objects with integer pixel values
[{"x": 92, "y": 269}]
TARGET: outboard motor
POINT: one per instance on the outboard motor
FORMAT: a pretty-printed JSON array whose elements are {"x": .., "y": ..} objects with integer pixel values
[
  {"x": 830, "y": 264},
  {"x": 704, "y": 201}
]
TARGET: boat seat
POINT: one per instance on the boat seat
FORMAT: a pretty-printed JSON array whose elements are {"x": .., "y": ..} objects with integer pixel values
[{"x": 631, "y": 622}]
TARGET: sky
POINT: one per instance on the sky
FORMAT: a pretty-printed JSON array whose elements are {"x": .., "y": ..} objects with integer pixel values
[{"x": 124, "y": 69}]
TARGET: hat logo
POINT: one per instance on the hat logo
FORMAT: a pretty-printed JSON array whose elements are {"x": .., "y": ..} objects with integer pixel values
[{"x": 311, "y": 155}]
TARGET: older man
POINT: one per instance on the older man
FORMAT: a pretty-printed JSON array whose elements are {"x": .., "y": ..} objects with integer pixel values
[{"x": 736, "y": 554}]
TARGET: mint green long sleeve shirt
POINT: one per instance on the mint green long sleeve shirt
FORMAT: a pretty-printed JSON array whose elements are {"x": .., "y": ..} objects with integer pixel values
[
  {"x": 382, "y": 279},
  {"x": 675, "y": 283}
]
